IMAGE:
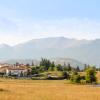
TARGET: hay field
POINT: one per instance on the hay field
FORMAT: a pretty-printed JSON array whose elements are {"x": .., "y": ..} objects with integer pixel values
[{"x": 46, "y": 90}]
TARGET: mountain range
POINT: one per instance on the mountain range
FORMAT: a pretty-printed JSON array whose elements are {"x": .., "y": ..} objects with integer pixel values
[{"x": 85, "y": 51}]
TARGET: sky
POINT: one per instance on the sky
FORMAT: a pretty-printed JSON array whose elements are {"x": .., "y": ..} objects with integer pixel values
[{"x": 23, "y": 20}]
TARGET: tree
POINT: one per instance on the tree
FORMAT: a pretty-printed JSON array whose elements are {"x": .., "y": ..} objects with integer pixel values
[
  {"x": 65, "y": 69},
  {"x": 29, "y": 71},
  {"x": 34, "y": 70},
  {"x": 69, "y": 68},
  {"x": 46, "y": 63},
  {"x": 75, "y": 77},
  {"x": 59, "y": 67},
  {"x": 52, "y": 66},
  {"x": 65, "y": 75},
  {"x": 90, "y": 75},
  {"x": 85, "y": 66},
  {"x": 42, "y": 69},
  {"x": 78, "y": 69}
]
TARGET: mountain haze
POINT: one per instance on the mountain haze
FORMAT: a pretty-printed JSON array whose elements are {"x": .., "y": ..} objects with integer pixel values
[{"x": 86, "y": 51}]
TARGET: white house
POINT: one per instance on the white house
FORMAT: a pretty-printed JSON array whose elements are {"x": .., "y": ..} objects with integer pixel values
[{"x": 14, "y": 70}]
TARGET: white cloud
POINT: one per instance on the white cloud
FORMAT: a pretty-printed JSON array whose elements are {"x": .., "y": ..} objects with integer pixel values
[
  {"x": 73, "y": 28},
  {"x": 17, "y": 30}
]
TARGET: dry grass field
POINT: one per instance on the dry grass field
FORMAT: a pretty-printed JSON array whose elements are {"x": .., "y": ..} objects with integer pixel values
[{"x": 11, "y": 89}]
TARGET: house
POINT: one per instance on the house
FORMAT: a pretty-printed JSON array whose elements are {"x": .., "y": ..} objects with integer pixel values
[
  {"x": 4, "y": 64},
  {"x": 20, "y": 71}
]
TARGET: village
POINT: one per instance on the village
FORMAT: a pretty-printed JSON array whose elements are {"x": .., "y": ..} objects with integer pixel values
[{"x": 15, "y": 70}]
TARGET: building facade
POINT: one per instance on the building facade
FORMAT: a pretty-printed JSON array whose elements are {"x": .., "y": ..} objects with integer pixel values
[{"x": 20, "y": 71}]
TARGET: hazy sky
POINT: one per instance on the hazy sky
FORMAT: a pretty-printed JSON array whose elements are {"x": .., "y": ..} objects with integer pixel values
[{"x": 22, "y": 20}]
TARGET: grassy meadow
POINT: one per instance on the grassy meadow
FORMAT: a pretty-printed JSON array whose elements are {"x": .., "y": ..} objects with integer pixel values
[{"x": 14, "y": 89}]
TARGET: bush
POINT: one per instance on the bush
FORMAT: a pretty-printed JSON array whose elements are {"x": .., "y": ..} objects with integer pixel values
[
  {"x": 65, "y": 75},
  {"x": 90, "y": 75},
  {"x": 75, "y": 77}
]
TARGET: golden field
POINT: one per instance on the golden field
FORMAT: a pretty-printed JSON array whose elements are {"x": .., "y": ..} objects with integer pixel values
[{"x": 46, "y": 90}]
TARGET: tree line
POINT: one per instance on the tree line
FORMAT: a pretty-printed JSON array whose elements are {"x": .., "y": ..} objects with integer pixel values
[{"x": 68, "y": 72}]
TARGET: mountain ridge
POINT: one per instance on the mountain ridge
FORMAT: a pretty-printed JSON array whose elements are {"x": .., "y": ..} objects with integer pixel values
[{"x": 86, "y": 51}]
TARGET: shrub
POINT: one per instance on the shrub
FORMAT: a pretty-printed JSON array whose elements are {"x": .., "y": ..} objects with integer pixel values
[
  {"x": 75, "y": 77},
  {"x": 65, "y": 75},
  {"x": 90, "y": 75}
]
